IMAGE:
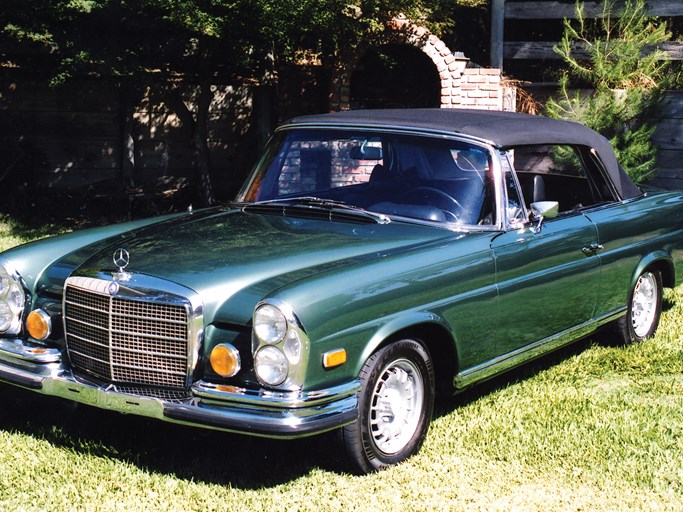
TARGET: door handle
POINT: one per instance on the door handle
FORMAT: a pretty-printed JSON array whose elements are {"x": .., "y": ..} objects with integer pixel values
[{"x": 592, "y": 249}]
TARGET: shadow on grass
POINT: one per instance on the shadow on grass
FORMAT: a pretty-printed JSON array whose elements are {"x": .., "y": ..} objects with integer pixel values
[
  {"x": 240, "y": 461},
  {"x": 195, "y": 454}
]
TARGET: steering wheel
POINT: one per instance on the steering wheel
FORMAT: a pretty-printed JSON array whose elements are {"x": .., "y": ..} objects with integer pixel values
[{"x": 433, "y": 196}]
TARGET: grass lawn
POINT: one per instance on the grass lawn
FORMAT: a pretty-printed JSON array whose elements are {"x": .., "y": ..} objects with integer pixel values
[{"x": 593, "y": 427}]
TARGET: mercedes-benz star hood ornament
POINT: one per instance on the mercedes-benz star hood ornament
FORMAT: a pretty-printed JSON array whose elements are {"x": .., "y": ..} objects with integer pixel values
[{"x": 121, "y": 260}]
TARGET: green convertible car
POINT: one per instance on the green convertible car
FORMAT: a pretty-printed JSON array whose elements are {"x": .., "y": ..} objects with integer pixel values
[{"x": 372, "y": 260}]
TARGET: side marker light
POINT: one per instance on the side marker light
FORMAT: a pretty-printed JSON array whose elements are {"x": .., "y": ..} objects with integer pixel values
[{"x": 334, "y": 358}]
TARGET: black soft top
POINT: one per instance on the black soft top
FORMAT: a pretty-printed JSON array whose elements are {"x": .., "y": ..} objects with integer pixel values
[{"x": 503, "y": 129}]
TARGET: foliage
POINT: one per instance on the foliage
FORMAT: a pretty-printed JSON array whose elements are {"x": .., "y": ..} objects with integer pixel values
[
  {"x": 617, "y": 56},
  {"x": 334, "y": 28},
  {"x": 178, "y": 48},
  {"x": 124, "y": 36}
]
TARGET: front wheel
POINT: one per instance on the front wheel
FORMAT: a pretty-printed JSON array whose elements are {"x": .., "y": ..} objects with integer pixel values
[
  {"x": 644, "y": 309},
  {"x": 396, "y": 401}
]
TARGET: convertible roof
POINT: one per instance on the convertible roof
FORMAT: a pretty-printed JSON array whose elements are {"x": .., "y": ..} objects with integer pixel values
[{"x": 504, "y": 129}]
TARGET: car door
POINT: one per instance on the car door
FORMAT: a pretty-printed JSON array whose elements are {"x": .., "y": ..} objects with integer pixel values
[
  {"x": 546, "y": 283},
  {"x": 626, "y": 232},
  {"x": 548, "y": 279}
]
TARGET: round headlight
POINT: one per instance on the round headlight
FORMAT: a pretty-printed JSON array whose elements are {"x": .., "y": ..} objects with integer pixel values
[
  {"x": 12, "y": 301},
  {"x": 271, "y": 366},
  {"x": 6, "y": 317},
  {"x": 15, "y": 299},
  {"x": 270, "y": 324},
  {"x": 4, "y": 280}
]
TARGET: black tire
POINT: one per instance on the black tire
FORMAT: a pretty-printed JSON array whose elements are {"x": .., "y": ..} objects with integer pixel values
[
  {"x": 395, "y": 402},
  {"x": 644, "y": 309}
]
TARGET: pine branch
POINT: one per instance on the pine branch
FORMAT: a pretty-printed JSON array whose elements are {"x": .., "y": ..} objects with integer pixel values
[{"x": 622, "y": 54}]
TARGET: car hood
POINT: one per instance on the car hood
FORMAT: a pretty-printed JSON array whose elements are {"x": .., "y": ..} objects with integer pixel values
[{"x": 233, "y": 258}]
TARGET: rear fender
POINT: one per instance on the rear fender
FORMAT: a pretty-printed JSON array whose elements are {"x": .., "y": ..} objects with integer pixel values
[{"x": 661, "y": 260}]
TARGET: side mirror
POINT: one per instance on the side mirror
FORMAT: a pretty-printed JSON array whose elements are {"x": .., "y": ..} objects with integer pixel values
[{"x": 544, "y": 210}]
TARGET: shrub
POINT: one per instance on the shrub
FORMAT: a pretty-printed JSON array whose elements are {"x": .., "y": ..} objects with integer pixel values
[{"x": 615, "y": 55}]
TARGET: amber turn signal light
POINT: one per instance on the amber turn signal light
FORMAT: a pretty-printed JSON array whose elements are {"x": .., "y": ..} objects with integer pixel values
[
  {"x": 225, "y": 360},
  {"x": 39, "y": 324},
  {"x": 334, "y": 358}
]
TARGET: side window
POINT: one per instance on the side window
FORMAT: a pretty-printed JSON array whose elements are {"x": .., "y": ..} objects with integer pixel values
[
  {"x": 514, "y": 207},
  {"x": 562, "y": 173}
]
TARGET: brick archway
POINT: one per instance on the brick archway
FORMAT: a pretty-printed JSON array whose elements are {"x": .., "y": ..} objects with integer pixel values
[
  {"x": 461, "y": 86},
  {"x": 394, "y": 75}
]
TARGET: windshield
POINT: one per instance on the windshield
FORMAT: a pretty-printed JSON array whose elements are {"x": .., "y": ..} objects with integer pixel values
[{"x": 414, "y": 177}]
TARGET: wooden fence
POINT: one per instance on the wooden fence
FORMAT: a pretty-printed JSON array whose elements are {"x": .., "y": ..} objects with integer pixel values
[
  {"x": 669, "y": 139},
  {"x": 511, "y": 11}
]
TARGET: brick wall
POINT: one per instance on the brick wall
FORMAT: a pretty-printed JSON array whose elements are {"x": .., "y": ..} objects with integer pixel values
[{"x": 481, "y": 88}]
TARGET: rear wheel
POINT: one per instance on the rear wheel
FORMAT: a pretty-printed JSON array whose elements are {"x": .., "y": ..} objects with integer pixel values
[
  {"x": 395, "y": 403},
  {"x": 644, "y": 309}
]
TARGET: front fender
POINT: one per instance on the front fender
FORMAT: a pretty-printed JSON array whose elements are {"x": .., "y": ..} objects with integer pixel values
[
  {"x": 398, "y": 324},
  {"x": 449, "y": 285}
]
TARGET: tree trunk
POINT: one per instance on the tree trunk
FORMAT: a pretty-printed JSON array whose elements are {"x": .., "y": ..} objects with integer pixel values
[
  {"x": 204, "y": 194},
  {"x": 200, "y": 147}
]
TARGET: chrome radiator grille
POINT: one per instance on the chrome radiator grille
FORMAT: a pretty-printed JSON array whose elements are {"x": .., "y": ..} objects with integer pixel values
[{"x": 125, "y": 340}]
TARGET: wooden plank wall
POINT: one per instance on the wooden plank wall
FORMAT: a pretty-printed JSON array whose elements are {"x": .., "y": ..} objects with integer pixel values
[
  {"x": 669, "y": 139},
  {"x": 544, "y": 50},
  {"x": 558, "y": 10},
  {"x": 60, "y": 139}
]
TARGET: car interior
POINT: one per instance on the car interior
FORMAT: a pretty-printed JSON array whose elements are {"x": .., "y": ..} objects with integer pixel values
[{"x": 565, "y": 174}]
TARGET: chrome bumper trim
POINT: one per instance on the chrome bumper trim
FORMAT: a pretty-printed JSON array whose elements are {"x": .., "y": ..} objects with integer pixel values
[
  {"x": 268, "y": 414},
  {"x": 283, "y": 399},
  {"x": 35, "y": 353}
]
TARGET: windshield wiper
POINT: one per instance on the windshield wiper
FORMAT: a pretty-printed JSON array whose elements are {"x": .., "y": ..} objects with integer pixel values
[
  {"x": 330, "y": 205},
  {"x": 311, "y": 201},
  {"x": 316, "y": 201}
]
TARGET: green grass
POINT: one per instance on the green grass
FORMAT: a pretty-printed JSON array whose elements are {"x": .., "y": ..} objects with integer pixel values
[
  {"x": 13, "y": 232},
  {"x": 593, "y": 427}
]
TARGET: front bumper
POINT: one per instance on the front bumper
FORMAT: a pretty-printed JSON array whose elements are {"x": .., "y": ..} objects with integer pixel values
[{"x": 262, "y": 413}]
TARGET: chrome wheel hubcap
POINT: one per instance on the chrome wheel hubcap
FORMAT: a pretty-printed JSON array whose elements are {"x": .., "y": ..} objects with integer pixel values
[
  {"x": 396, "y": 406},
  {"x": 644, "y": 304}
]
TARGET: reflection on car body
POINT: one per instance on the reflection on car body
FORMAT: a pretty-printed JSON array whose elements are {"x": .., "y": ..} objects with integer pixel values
[{"x": 372, "y": 260}]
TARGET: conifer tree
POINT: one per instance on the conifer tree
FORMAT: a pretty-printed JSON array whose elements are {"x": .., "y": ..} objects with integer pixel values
[{"x": 615, "y": 55}]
